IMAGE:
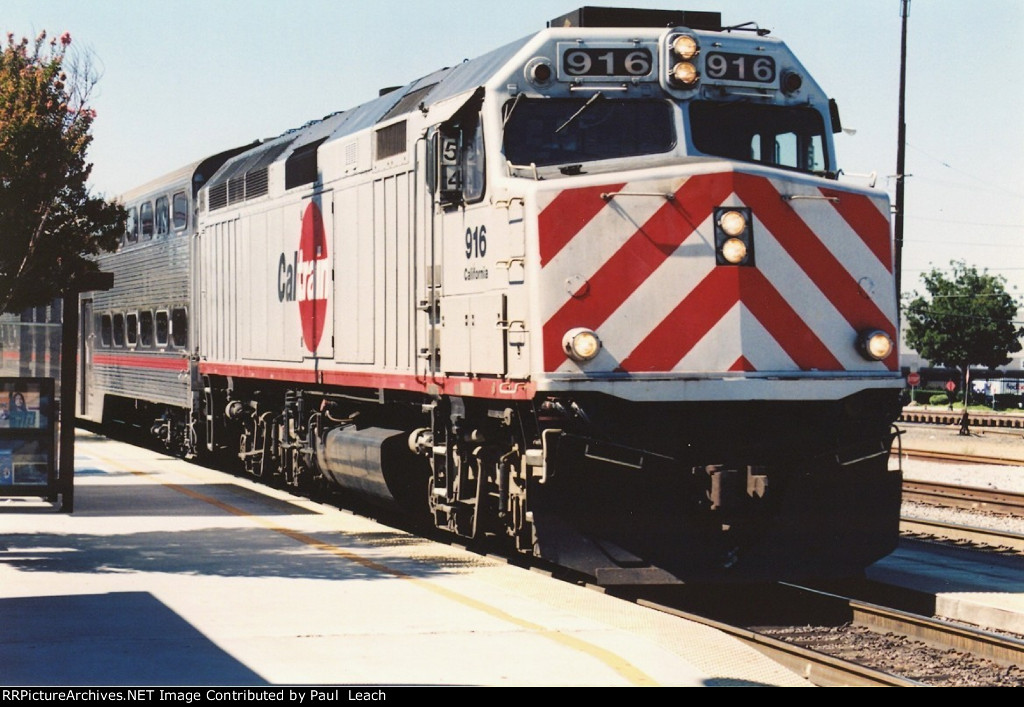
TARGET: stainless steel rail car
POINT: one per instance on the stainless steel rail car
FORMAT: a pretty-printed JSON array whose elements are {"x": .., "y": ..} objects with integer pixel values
[
  {"x": 135, "y": 336},
  {"x": 598, "y": 292}
]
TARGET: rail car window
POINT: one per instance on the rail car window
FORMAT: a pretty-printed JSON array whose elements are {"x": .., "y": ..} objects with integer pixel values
[
  {"x": 788, "y": 137},
  {"x": 163, "y": 216},
  {"x": 132, "y": 226},
  {"x": 106, "y": 331},
  {"x": 131, "y": 329},
  {"x": 179, "y": 328},
  {"x": 146, "y": 220},
  {"x": 574, "y": 130},
  {"x": 180, "y": 210},
  {"x": 118, "y": 330},
  {"x": 162, "y": 328},
  {"x": 146, "y": 329}
]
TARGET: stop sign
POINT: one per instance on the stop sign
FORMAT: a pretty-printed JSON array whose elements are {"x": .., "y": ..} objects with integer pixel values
[
  {"x": 950, "y": 386},
  {"x": 913, "y": 379}
]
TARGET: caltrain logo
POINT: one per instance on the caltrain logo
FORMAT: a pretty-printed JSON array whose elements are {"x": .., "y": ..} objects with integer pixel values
[{"x": 306, "y": 279}]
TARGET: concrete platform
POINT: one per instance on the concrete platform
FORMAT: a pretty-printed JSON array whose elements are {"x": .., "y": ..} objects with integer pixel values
[
  {"x": 172, "y": 574},
  {"x": 987, "y": 593}
]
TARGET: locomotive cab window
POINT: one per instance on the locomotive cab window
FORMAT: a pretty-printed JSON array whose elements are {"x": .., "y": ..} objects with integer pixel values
[
  {"x": 788, "y": 137},
  {"x": 163, "y": 328},
  {"x": 457, "y": 153},
  {"x": 179, "y": 328},
  {"x": 163, "y": 216},
  {"x": 569, "y": 131},
  {"x": 180, "y": 210}
]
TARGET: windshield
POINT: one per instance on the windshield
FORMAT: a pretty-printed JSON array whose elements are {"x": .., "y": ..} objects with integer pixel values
[
  {"x": 554, "y": 131},
  {"x": 790, "y": 137}
]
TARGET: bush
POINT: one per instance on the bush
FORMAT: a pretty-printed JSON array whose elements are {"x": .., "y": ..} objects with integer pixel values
[
  {"x": 922, "y": 396},
  {"x": 940, "y": 399}
]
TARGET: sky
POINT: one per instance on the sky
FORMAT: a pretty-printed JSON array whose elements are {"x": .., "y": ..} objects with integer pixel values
[{"x": 180, "y": 80}]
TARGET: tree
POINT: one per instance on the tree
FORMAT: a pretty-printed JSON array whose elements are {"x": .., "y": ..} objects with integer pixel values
[
  {"x": 966, "y": 320},
  {"x": 49, "y": 221}
]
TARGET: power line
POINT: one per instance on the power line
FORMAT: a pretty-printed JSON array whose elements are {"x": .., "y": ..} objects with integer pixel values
[
  {"x": 950, "y": 167},
  {"x": 967, "y": 223}
]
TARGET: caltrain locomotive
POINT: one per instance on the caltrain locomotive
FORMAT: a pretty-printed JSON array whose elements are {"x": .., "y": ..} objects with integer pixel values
[{"x": 598, "y": 292}]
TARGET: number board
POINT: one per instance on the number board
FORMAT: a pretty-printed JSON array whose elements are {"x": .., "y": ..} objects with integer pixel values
[
  {"x": 623, "y": 61},
  {"x": 745, "y": 68}
]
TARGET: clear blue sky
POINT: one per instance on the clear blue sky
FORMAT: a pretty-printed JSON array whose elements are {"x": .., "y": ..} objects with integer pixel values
[{"x": 185, "y": 78}]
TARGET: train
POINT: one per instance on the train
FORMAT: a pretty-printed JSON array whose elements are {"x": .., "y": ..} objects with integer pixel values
[{"x": 597, "y": 295}]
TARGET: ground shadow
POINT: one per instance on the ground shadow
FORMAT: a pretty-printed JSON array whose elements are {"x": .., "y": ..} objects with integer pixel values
[{"x": 122, "y": 638}]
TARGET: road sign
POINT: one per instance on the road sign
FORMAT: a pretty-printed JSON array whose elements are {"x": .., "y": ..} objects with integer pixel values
[
  {"x": 913, "y": 379},
  {"x": 950, "y": 386}
]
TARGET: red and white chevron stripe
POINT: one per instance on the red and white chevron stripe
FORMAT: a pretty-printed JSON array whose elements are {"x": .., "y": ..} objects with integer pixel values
[{"x": 640, "y": 270}]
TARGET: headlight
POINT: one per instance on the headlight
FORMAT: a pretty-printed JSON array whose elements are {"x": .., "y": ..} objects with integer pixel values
[
  {"x": 685, "y": 73},
  {"x": 685, "y": 46},
  {"x": 733, "y": 223},
  {"x": 734, "y": 250},
  {"x": 581, "y": 344},
  {"x": 875, "y": 345}
]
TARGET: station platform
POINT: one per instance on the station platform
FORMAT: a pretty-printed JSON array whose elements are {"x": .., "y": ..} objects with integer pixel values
[
  {"x": 171, "y": 574},
  {"x": 986, "y": 592}
]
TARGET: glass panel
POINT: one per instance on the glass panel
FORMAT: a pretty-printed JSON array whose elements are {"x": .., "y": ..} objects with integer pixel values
[
  {"x": 132, "y": 329},
  {"x": 163, "y": 216},
  {"x": 180, "y": 210},
  {"x": 577, "y": 130},
  {"x": 789, "y": 137},
  {"x": 132, "y": 226},
  {"x": 146, "y": 220},
  {"x": 179, "y": 328},
  {"x": 106, "y": 330},
  {"x": 146, "y": 329},
  {"x": 118, "y": 330},
  {"x": 162, "y": 328}
]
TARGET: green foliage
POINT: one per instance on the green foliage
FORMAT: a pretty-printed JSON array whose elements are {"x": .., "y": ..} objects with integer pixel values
[
  {"x": 940, "y": 399},
  {"x": 49, "y": 221},
  {"x": 966, "y": 319}
]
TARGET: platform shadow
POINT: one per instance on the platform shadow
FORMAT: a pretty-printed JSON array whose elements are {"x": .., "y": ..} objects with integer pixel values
[{"x": 121, "y": 638}]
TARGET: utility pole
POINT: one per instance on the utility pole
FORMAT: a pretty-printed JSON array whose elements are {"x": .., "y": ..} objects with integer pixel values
[{"x": 901, "y": 149}]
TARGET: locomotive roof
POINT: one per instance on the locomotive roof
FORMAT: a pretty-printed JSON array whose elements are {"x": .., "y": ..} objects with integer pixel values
[{"x": 425, "y": 91}]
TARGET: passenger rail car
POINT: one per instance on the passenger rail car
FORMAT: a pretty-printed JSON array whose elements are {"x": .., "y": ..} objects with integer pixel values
[
  {"x": 135, "y": 336},
  {"x": 598, "y": 292}
]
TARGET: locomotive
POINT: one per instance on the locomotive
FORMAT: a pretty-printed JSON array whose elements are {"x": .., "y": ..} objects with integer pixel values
[{"x": 597, "y": 293}]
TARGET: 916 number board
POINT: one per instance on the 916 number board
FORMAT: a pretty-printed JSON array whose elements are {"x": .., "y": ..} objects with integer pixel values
[
  {"x": 745, "y": 68},
  {"x": 629, "y": 61}
]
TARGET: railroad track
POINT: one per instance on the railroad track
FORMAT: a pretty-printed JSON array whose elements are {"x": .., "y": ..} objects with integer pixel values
[
  {"x": 821, "y": 669},
  {"x": 966, "y": 497},
  {"x": 988, "y": 537},
  {"x": 958, "y": 458},
  {"x": 835, "y": 639}
]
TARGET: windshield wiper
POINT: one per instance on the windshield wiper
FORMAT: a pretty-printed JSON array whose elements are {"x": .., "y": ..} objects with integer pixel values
[{"x": 591, "y": 101}]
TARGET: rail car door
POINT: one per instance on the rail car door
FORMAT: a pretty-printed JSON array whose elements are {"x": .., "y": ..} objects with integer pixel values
[
  {"x": 85, "y": 342},
  {"x": 471, "y": 308}
]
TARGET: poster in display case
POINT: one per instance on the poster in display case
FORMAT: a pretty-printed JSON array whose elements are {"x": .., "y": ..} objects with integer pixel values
[{"x": 27, "y": 437}]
